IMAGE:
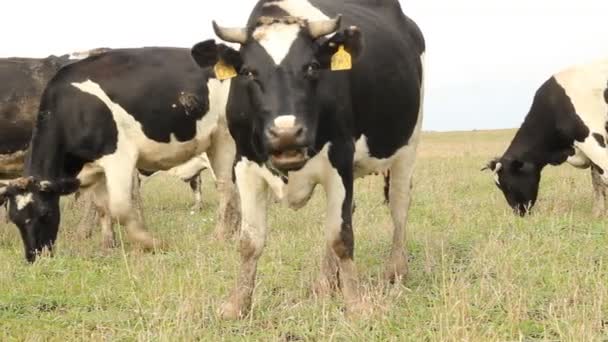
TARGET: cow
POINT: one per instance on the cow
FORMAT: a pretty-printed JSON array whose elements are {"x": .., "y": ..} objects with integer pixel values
[
  {"x": 189, "y": 172},
  {"x": 567, "y": 122},
  {"x": 103, "y": 118},
  {"x": 313, "y": 103}
]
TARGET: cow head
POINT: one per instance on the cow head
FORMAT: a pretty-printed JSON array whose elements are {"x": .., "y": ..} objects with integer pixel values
[
  {"x": 34, "y": 208},
  {"x": 518, "y": 180},
  {"x": 278, "y": 72}
]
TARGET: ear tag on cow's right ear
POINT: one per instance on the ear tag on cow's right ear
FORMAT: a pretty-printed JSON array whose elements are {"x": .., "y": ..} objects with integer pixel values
[
  {"x": 341, "y": 60},
  {"x": 224, "y": 71}
]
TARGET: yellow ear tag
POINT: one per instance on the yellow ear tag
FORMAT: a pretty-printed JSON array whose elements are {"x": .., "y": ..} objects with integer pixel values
[
  {"x": 224, "y": 71},
  {"x": 341, "y": 60}
]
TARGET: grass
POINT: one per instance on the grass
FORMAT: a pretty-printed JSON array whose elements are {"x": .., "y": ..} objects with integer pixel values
[{"x": 477, "y": 272}]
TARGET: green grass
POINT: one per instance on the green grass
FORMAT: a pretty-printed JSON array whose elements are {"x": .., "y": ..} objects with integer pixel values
[{"x": 477, "y": 272}]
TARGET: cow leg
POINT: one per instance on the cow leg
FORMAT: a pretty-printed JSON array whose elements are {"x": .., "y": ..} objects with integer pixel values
[
  {"x": 339, "y": 235},
  {"x": 599, "y": 192},
  {"x": 400, "y": 196},
  {"x": 221, "y": 156},
  {"x": 195, "y": 185},
  {"x": 89, "y": 217},
  {"x": 119, "y": 181},
  {"x": 252, "y": 238}
]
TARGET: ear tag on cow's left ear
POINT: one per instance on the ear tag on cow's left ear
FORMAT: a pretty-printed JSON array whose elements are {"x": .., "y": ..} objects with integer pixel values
[
  {"x": 224, "y": 71},
  {"x": 341, "y": 60}
]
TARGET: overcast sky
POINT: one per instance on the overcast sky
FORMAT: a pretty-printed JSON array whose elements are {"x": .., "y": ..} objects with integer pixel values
[{"x": 485, "y": 58}]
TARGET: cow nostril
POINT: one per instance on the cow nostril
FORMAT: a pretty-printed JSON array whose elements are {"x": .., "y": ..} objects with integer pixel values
[{"x": 300, "y": 132}]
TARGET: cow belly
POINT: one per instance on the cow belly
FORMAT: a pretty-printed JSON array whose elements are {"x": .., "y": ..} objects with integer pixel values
[
  {"x": 154, "y": 156},
  {"x": 365, "y": 164}
]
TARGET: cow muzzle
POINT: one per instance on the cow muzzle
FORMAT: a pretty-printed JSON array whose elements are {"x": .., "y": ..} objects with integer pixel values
[{"x": 287, "y": 145}]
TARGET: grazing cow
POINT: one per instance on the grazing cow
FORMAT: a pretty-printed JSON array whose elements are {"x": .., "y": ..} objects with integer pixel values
[
  {"x": 300, "y": 118},
  {"x": 567, "y": 122},
  {"x": 106, "y": 116}
]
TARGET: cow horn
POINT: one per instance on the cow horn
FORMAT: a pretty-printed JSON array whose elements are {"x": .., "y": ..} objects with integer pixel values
[
  {"x": 498, "y": 167},
  {"x": 320, "y": 28},
  {"x": 230, "y": 34}
]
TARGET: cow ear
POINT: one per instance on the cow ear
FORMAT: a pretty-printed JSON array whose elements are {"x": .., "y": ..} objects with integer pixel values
[
  {"x": 342, "y": 50},
  {"x": 64, "y": 186},
  {"x": 224, "y": 59}
]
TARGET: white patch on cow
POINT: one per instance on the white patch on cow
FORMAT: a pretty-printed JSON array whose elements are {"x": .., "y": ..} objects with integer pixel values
[
  {"x": 154, "y": 155},
  {"x": 191, "y": 168},
  {"x": 277, "y": 39},
  {"x": 579, "y": 159},
  {"x": 24, "y": 200},
  {"x": 585, "y": 86},
  {"x": 285, "y": 121},
  {"x": 299, "y": 8}
]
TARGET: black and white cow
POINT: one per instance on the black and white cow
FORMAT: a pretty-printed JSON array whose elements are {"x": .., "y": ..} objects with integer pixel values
[
  {"x": 106, "y": 116},
  {"x": 568, "y": 122},
  {"x": 301, "y": 118}
]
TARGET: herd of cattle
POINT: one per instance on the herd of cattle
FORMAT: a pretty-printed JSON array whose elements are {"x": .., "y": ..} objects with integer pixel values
[{"x": 317, "y": 93}]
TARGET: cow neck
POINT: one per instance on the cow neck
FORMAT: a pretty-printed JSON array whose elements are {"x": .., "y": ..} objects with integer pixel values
[
  {"x": 532, "y": 142},
  {"x": 45, "y": 160}
]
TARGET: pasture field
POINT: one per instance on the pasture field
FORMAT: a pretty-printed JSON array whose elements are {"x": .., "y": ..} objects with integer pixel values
[{"x": 477, "y": 272}]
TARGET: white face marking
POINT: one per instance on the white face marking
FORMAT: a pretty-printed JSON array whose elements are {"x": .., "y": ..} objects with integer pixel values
[
  {"x": 277, "y": 39},
  {"x": 23, "y": 200},
  {"x": 285, "y": 121}
]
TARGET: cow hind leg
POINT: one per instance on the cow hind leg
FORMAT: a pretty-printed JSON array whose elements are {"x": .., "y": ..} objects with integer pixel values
[
  {"x": 197, "y": 189},
  {"x": 599, "y": 192},
  {"x": 400, "y": 196}
]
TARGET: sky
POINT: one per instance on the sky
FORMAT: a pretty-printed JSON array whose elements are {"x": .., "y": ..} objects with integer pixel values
[{"x": 485, "y": 58}]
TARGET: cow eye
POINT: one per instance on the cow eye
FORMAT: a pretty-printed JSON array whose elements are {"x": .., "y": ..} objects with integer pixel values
[{"x": 247, "y": 72}]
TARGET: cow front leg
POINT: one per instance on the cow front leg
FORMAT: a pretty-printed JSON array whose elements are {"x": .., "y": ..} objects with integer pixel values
[
  {"x": 599, "y": 192},
  {"x": 221, "y": 156},
  {"x": 339, "y": 235},
  {"x": 252, "y": 238},
  {"x": 119, "y": 182},
  {"x": 88, "y": 221}
]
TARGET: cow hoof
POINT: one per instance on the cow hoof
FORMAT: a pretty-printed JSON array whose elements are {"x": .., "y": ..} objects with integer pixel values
[
  {"x": 108, "y": 243},
  {"x": 360, "y": 310},
  {"x": 231, "y": 311},
  {"x": 598, "y": 213},
  {"x": 323, "y": 288},
  {"x": 396, "y": 269}
]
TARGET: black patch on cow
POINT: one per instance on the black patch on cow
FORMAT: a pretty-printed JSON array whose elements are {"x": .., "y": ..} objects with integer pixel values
[
  {"x": 600, "y": 139},
  {"x": 162, "y": 88},
  {"x": 606, "y": 94},
  {"x": 550, "y": 128}
]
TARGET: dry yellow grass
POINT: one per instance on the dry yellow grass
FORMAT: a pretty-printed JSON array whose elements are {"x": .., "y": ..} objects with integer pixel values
[{"x": 477, "y": 272}]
